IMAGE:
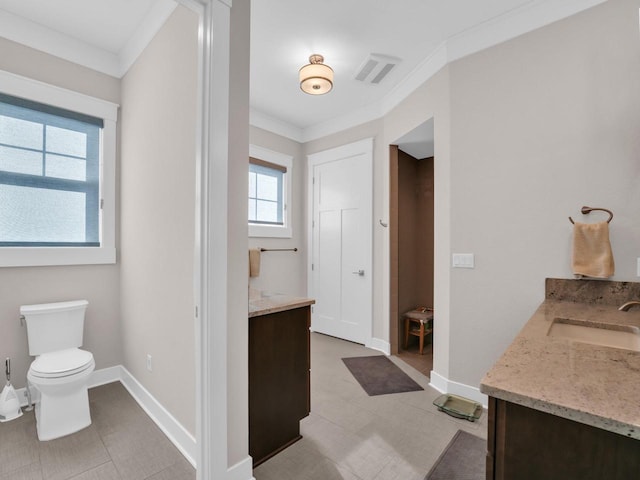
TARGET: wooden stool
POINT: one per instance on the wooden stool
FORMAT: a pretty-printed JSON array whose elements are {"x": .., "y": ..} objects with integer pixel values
[{"x": 422, "y": 325}]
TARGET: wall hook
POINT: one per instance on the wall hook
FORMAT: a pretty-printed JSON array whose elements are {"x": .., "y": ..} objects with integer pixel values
[{"x": 385, "y": 225}]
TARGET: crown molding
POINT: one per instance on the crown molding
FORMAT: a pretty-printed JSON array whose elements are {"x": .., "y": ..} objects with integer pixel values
[
  {"x": 36, "y": 36},
  {"x": 488, "y": 34},
  {"x": 152, "y": 23},
  {"x": 275, "y": 125},
  {"x": 31, "y": 34}
]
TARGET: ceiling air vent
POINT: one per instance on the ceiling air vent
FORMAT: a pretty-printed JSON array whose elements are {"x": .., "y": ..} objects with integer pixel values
[{"x": 375, "y": 68}]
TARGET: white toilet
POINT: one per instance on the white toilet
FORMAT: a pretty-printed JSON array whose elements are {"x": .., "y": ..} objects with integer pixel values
[{"x": 61, "y": 370}]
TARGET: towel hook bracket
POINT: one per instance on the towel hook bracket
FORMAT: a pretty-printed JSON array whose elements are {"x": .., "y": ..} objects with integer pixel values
[{"x": 585, "y": 210}]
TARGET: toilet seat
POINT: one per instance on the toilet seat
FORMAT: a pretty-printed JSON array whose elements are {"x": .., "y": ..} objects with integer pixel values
[{"x": 62, "y": 363}]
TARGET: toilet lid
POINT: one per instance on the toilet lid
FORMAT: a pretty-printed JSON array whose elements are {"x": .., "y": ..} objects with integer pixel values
[{"x": 61, "y": 363}]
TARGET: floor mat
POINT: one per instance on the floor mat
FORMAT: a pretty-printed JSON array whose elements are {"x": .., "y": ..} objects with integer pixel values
[
  {"x": 463, "y": 459},
  {"x": 380, "y": 376}
]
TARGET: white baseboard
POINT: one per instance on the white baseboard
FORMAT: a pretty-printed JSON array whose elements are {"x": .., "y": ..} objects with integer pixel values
[
  {"x": 444, "y": 385},
  {"x": 242, "y": 470},
  {"x": 105, "y": 375},
  {"x": 380, "y": 345},
  {"x": 175, "y": 432}
]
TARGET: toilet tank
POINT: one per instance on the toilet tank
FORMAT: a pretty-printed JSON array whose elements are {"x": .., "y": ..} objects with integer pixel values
[{"x": 54, "y": 326}]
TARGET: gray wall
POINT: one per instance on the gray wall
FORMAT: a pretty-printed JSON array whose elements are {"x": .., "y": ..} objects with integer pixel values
[
  {"x": 157, "y": 222},
  {"x": 526, "y": 132},
  {"x": 284, "y": 272},
  {"x": 26, "y": 285},
  {"x": 540, "y": 126}
]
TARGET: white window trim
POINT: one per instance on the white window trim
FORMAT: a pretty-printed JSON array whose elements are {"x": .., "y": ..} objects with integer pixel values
[
  {"x": 30, "y": 89},
  {"x": 275, "y": 231}
]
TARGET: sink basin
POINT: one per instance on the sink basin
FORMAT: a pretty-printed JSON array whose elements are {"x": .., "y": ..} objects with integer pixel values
[{"x": 626, "y": 337}]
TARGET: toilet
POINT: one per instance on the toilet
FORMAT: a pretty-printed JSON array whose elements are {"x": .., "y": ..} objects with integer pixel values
[{"x": 61, "y": 370}]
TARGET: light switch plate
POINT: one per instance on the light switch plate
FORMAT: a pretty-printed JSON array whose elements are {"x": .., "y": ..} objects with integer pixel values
[
  {"x": 638, "y": 267},
  {"x": 463, "y": 260}
]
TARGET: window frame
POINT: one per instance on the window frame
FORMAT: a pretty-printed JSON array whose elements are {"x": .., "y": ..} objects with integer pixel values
[
  {"x": 33, "y": 90},
  {"x": 275, "y": 231}
]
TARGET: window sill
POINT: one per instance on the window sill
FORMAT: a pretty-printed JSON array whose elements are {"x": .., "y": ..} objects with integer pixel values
[
  {"x": 269, "y": 231},
  {"x": 52, "y": 256}
]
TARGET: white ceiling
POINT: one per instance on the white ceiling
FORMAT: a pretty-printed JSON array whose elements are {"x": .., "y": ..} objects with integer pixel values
[{"x": 107, "y": 35}]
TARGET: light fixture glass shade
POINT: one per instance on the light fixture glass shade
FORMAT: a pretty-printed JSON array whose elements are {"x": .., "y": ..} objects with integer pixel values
[{"x": 316, "y": 78}]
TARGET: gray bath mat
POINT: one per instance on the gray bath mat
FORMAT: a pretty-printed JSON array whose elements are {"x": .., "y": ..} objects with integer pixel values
[
  {"x": 379, "y": 376},
  {"x": 463, "y": 459}
]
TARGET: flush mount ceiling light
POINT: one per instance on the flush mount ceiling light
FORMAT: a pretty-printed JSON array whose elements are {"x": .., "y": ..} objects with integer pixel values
[{"x": 316, "y": 78}]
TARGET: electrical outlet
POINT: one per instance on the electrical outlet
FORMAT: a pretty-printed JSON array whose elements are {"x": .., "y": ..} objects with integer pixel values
[{"x": 149, "y": 363}]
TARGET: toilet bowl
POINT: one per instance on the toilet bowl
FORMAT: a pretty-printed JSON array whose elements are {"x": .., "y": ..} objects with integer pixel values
[
  {"x": 61, "y": 370},
  {"x": 61, "y": 379}
]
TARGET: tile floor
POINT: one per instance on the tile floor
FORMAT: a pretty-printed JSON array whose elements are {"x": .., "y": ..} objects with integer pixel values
[
  {"x": 422, "y": 363},
  {"x": 351, "y": 436},
  {"x": 122, "y": 443},
  {"x": 347, "y": 436}
]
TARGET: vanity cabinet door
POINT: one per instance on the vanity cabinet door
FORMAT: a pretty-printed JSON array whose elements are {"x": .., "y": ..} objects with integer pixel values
[
  {"x": 526, "y": 444},
  {"x": 279, "y": 361}
]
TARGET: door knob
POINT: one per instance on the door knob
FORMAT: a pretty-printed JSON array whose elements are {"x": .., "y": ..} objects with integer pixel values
[{"x": 359, "y": 272}]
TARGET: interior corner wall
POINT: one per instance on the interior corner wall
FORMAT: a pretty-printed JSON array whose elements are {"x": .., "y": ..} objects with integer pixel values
[
  {"x": 284, "y": 272},
  {"x": 540, "y": 125},
  {"x": 415, "y": 237},
  {"x": 29, "y": 285},
  {"x": 158, "y": 215}
]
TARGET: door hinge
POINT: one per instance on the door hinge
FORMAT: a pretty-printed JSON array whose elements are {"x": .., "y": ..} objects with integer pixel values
[
  {"x": 196, "y": 311},
  {"x": 312, "y": 267},
  {"x": 313, "y": 180},
  {"x": 101, "y": 203},
  {"x": 313, "y": 223}
]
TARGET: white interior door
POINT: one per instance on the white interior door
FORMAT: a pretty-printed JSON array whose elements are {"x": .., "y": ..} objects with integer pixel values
[{"x": 340, "y": 277}]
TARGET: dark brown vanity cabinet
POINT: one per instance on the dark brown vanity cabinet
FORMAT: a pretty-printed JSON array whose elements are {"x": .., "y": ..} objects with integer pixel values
[
  {"x": 526, "y": 444},
  {"x": 279, "y": 396}
]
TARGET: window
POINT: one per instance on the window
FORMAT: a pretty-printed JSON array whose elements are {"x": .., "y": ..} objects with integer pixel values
[
  {"x": 266, "y": 205},
  {"x": 56, "y": 175},
  {"x": 269, "y": 189},
  {"x": 49, "y": 175}
]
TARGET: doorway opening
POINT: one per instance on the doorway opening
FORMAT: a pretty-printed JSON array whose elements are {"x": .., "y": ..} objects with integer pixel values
[{"x": 411, "y": 223}]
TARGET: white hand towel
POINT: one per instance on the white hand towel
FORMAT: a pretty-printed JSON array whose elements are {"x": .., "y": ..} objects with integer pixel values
[{"x": 254, "y": 262}]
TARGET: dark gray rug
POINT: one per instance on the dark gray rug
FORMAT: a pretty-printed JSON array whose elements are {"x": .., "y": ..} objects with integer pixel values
[
  {"x": 463, "y": 459},
  {"x": 378, "y": 375}
]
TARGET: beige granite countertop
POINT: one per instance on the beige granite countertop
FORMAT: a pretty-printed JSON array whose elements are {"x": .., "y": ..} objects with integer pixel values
[
  {"x": 263, "y": 303},
  {"x": 591, "y": 384}
]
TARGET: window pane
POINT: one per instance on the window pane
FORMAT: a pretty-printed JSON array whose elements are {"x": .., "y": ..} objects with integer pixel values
[
  {"x": 252, "y": 184},
  {"x": 267, "y": 187},
  {"x": 17, "y": 160},
  {"x": 21, "y": 133},
  {"x": 66, "y": 142},
  {"x": 267, "y": 211},
  {"x": 252, "y": 210},
  {"x": 65, "y": 167},
  {"x": 40, "y": 215}
]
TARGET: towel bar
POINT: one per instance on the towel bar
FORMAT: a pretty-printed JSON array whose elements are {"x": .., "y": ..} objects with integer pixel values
[
  {"x": 278, "y": 249},
  {"x": 586, "y": 210}
]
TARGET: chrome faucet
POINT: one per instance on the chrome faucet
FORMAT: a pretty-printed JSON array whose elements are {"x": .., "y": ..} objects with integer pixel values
[{"x": 628, "y": 305}]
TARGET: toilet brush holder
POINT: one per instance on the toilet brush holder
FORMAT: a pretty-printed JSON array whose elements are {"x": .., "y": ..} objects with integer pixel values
[{"x": 9, "y": 402}]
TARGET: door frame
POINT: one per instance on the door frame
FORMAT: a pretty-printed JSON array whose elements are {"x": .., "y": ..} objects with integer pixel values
[
  {"x": 214, "y": 278},
  {"x": 364, "y": 146}
]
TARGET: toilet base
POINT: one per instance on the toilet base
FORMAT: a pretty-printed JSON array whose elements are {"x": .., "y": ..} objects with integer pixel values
[{"x": 60, "y": 415}]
